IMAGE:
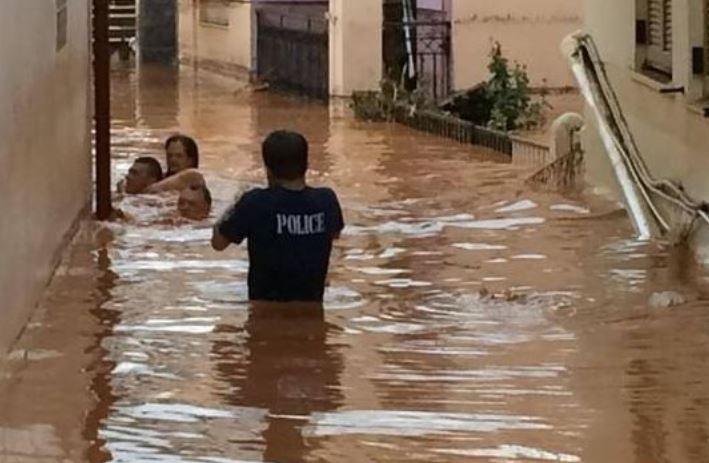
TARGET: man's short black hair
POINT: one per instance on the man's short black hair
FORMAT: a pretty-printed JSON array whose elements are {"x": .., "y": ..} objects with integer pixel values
[
  {"x": 154, "y": 168},
  {"x": 285, "y": 154}
]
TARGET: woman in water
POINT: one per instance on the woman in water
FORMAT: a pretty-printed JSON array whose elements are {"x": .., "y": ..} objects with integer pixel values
[
  {"x": 182, "y": 156},
  {"x": 182, "y": 153}
]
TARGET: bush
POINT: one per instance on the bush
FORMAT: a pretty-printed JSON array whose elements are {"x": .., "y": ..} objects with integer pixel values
[{"x": 504, "y": 102}]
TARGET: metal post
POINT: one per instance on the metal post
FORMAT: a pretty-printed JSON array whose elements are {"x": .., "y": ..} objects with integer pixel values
[{"x": 102, "y": 109}]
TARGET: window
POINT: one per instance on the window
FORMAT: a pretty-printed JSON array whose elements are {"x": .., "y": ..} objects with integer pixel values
[
  {"x": 654, "y": 36},
  {"x": 659, "y": 35},
  {"x": 62, "y": 20},
  {"x": 214, "y": 12}
]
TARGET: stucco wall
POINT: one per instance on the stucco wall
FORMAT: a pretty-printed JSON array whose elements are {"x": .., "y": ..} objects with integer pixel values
[
  {"x": 224, "y": 49},
  {"x": 45, "y": 161},
  {"x": 672, "y": 138},
  {"x": 529, "y": 31},
  {"x": 355, "y": 45}
]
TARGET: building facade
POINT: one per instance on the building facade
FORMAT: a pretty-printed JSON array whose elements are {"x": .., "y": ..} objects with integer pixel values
[
  {"x": 655, "y": 54},
  {"x": 222, "y": 36},
  {"x": 529, "y": 31},
  {"x": 45, "y": 157},
  {"x": 217, "y": 36}
]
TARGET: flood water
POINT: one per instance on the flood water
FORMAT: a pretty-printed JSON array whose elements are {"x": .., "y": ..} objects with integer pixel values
[{"x": 468, "y": 317}]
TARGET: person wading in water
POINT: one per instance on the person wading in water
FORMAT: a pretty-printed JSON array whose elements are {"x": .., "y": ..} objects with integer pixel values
[{"x": 289, "y": 227}]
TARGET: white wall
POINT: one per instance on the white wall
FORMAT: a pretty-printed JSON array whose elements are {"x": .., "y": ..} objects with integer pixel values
[
  {"x": 529, "y": 31},
  {"x": 45, "y": 157},
  {"x": 224, "y": 49},
  {"x": 355, "y": 45}
]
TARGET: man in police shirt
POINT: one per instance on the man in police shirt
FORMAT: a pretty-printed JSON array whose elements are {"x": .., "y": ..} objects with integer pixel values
[{"x": 289, "y": 226}]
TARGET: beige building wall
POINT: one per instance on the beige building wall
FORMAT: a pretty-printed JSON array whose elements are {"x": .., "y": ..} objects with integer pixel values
[
  {"x": 672, "y": 135},
  {"x": 45, "y": 154},
  {"x": 529, "y": 31},
  {"x": 223, "y": 46},
  {"x": 355, "y": 45},
  {"x": 228, "y": 48}
]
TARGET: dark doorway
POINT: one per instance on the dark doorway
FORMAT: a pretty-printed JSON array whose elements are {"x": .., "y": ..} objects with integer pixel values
[
  {"x": 293, "y": 53},
  {"x": 157, "y": 24}
]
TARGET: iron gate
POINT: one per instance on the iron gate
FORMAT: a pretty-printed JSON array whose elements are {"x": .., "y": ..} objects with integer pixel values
[
  {"x": 293, "y": 54},
  {"x": 426, "y": 44}
]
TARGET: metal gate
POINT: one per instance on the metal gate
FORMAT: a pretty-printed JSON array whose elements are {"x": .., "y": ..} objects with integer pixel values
[
  {"x": 427, "y": 45},
  {"x": 293, "y": 53}
]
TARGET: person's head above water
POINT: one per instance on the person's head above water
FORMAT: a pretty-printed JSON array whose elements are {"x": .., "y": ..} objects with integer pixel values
[
  {"x": 195, "y": 202},
  {"x": 182, "y": 153},
  {"x": 144, "y": 172},
  {"x": 285, "y": 155}
]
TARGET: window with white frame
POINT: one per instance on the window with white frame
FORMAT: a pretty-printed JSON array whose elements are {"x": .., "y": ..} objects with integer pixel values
[
  {"x": 654, "y": 35},
  {"x": 214, "y": 12}
]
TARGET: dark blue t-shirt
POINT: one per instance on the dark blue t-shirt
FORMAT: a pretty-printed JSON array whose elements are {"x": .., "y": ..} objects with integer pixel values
[{"x": 290, "y": 236}]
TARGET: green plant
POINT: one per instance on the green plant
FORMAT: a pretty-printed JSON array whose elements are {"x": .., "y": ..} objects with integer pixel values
[
  {"x": 511, "y": 95},
  {"x": 504, "y": 102}
]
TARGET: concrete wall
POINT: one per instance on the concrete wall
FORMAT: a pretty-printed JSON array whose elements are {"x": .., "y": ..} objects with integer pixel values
[
  {"x": 355, "y": 45},
  {"x": 45, "y": 161},
  {"x": 219, "y": 48},
  {"x": 672, "y": 137},
  {"x": 529, "y": 31}
]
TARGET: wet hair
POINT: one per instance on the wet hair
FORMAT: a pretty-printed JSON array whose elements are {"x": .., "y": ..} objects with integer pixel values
[
  {"x": 191, "y": 149},
  {"x": 285, "y": 154},
  {"x": 154, "y": 168}
]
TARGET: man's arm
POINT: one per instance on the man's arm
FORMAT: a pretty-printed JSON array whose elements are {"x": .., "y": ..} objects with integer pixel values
[
  {"x": 180, "y": 181},
  {"x": 233, "y": 226},
  {"x": 338, "y": 219},
  {"x": 219, "y": 241}
]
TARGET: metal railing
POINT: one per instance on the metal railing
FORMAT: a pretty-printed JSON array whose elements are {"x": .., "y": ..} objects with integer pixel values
[
  {"x": 454, "y": 128},
  {"x": 530, "y": 152},
  {"x": 122, "y": 21},
  {"x": 432, "y": 54}
]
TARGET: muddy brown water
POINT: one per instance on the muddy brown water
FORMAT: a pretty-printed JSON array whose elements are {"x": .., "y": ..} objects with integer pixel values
[{"x": 468, "y": 318}]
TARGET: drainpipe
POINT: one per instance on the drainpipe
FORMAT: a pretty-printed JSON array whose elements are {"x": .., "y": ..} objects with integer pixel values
[
  {"x": 632, "y": 190},
  {"x": 102, "y": 109}
]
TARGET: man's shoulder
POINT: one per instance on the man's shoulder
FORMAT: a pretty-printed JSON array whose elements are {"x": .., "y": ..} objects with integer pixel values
[
  {"x": 254, "y": 194},
  {"x": 324, "y": 192}
]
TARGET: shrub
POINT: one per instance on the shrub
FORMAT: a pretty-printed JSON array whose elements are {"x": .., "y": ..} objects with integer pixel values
[{"x": 504, "y": 102}]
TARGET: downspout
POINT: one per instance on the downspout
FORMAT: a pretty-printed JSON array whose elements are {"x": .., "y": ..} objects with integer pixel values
[
  {"x": 633, "y": 200},
  {"x": 409, "y": 18},
  {"x": 102, "y": 109}
]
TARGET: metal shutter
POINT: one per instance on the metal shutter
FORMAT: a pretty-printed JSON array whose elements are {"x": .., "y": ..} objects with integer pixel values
[{"x": 659, "y": 27}]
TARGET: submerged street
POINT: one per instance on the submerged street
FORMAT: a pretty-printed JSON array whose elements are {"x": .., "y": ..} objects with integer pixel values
[{"x": 468, "y": 317}]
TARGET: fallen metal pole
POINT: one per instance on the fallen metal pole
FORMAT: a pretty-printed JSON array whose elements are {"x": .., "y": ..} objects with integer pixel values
[{"x": 102, "y": 109}]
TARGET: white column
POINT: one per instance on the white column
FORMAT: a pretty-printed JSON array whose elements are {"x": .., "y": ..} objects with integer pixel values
[{"x": 355, "y": 45}]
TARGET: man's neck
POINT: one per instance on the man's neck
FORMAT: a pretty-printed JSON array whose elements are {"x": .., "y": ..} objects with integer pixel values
[{"x": 294, "y": 185}]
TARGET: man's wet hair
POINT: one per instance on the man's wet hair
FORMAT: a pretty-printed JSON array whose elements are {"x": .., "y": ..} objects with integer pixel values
[
  {"x": 191, "y": 148},
  {"x": 285, "y": 154},
  {"x": 154, "y": 168}
]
